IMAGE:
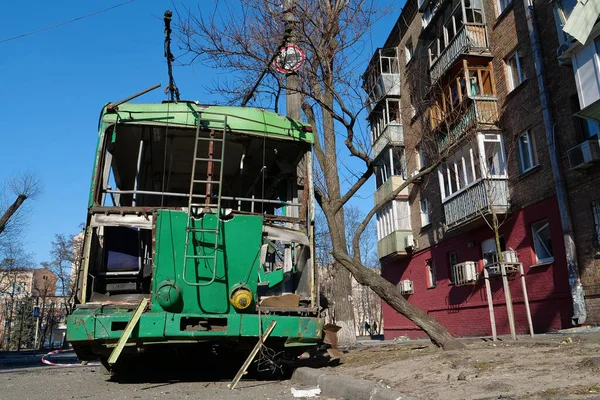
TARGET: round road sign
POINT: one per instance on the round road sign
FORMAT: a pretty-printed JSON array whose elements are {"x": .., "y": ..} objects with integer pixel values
[{"x": 290, "y": 59}]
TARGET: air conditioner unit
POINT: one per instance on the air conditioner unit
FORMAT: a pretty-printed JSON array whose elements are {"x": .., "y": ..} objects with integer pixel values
[
  {"x": 406, "y": 287},
  {"x": 409, "y": 242},
  {"x": 510, "y": 261},
  {"x": 510, "y": 256},
  {"x": 465, "y": 273},
  {"x": 583, "y": 155}
]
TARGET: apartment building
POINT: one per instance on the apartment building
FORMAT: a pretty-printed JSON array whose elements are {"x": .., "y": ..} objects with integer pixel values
[
  {"x": 30, "y": 288},
  {"x": 488, "y": 94}
]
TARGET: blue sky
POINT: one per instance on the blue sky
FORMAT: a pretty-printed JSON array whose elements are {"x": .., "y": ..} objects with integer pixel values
[{"x": 55, "y": 83}]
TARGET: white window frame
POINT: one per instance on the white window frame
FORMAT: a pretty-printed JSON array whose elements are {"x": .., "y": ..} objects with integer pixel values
[
  {"x": 431, "y": 275},
  {"x": 535, "y": 229},
  {"x": 561, "y": 19},
  {"x": 502, "y": 5},
  {"x": 511, "y": 84},
  {"x": 421, "y": 160},
  {"x": 468, "y": 165},
  {"x": 452, "y": 261},
  {"x": 424, "y": 209},
  {"x": 530, "y": 152}
]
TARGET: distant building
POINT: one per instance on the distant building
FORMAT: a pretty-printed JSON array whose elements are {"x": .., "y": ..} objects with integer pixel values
[
  {"x": 31, "y": 288},
  {"x": 457, "y": 82}
]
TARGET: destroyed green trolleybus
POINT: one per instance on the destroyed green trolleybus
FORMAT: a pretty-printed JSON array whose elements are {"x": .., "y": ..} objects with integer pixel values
[{"x": 199, "y": 231}]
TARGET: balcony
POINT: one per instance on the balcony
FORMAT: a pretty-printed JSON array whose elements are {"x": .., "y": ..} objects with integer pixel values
[
  {"x": 394, "y": 244},
  {"x": 382, "y": 77},
  {"x": 392, "y": 135},
  {"x": 478, "y": 200},
  {"x": 385, "y": 85},
  {"x": 393, "y": 183},
  {"x": 470, "y": 39},
  {"x": 475, "y": 113}
]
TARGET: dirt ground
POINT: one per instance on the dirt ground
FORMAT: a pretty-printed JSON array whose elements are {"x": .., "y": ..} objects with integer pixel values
[{"x": 552, "y": 366}]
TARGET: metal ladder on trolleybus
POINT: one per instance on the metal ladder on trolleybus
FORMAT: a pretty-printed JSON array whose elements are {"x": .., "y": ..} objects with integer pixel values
[{"x": 196, "y": 208}]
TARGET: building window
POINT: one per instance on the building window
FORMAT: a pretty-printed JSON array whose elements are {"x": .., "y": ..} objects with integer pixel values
[
  {"x": 424, "y": 213},
  {"x": 391, "y": 162},
  {"x": 431, "y": 278},
  {"x": 514, "y": 70},
  {"x": 596, "y": 213},
  {"x": 421, "y": 162},
  {"x": 409, "y": 51},
  {"x": 562, "y": 12},
  {"x": 382, "y": 116},
  {"x": 473, "y": 11},
  {"x": 489, "y": 250},
  {"x": 526, "y": 153},
  {"x": 502, "y": 5},
  {"x": 542, "y": 243},
  {"x": 395, "y": 216},
  {"x": 468, "y": 165},
  {"x": 452, "y": 261}
]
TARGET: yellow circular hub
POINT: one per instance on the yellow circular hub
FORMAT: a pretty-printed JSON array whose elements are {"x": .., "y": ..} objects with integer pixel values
[{"x": 241, "y": 298}]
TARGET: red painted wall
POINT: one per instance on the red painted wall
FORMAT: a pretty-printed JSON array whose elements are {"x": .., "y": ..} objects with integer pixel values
[{"x": 464, "y": 310}]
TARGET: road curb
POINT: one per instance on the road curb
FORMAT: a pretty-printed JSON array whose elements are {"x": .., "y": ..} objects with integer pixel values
[{"x": 346, "y": 387}]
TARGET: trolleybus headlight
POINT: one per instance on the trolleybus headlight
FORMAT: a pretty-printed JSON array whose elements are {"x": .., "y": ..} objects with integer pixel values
[
  {"x": 168, "y": 295},
  {"x": 241, "y": 297}
]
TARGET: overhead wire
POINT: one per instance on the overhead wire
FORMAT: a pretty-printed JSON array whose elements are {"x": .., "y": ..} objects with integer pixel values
[{"x": 65, "y": 22}]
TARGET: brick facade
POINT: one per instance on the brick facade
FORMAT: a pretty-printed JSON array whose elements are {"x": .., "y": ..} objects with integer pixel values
[{"x": 464, "y": 310}]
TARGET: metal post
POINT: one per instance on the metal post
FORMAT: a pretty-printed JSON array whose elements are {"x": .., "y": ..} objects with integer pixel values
[
  {"x": 137, "y": 173},
  {"x": 37, "y": 326},
  {"x": 509, "y": 303},
  {"x": 526, "y": 300},
  {"x": 490, "y": 300}
]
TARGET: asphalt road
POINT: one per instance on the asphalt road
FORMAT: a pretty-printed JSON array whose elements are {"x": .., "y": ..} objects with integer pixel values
[{"x": 24, "y": 377}]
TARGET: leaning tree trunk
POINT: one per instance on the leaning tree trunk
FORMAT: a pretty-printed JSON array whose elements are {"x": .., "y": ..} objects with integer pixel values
[
  {"x": 342, "y": 286},
  {"x": 390, "y": 294},
  {"x": 344, "y": 309},
  {"x": 11, "y": 211}
]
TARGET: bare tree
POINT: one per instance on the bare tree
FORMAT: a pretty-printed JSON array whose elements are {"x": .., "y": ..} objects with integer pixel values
[
  {"x": 243, "y": 42},
  {"x": 14, "y": 263},
  {"x": 361, "y": 297},
  {"x": 65, "y": 254},
  {"x": 22, "y": 186}
]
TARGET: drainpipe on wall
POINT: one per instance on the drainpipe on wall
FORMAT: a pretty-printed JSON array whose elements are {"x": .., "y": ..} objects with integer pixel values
[{"x": 577, "y": 296}]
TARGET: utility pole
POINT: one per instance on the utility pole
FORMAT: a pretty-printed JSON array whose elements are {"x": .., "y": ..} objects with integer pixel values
[{"x": 292, "y": 81}]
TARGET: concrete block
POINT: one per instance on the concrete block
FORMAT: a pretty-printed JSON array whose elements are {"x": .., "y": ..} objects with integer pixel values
[{"x": 346, "y": 387}]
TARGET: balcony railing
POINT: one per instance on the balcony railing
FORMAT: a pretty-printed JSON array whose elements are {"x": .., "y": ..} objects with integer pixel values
[
  {"x": 394, "y": 244},
  {"x": 392, "y": 134},
  {"x": 477, "y": 200},
  {"x": 386, "y": 85},
  {"x": 474, "y": 112},
  {"x": 469, "y": 39},
  {"x": 388, "y": 187}
]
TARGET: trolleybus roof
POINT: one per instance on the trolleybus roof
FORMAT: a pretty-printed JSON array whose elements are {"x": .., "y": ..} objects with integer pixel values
[{"x": 245, "y": 120}]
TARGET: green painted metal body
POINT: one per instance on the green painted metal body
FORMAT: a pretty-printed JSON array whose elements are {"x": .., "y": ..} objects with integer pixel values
[
  {"x": 173, "y": 302},
  {"x": 156, "y": 327}
]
